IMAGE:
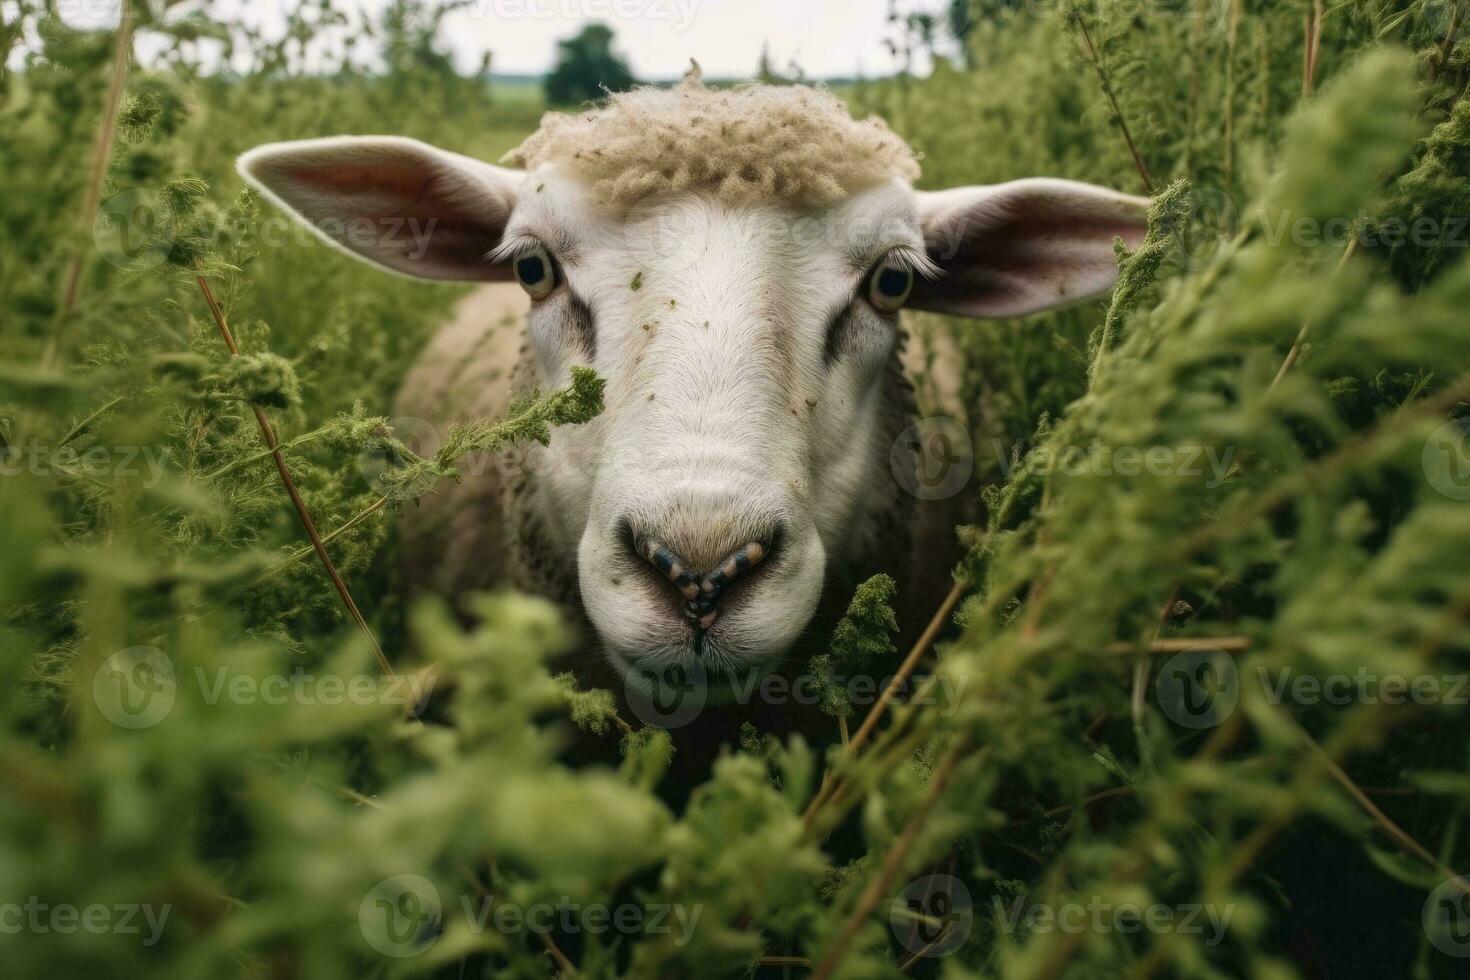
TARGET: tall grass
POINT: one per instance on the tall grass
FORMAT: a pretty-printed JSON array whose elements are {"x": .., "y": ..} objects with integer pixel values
[{"x": 1119, "y": 715}]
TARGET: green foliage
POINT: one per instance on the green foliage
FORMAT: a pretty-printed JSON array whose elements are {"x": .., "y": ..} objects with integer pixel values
[
  {"x": 529, "y": 418},
  {"x": 1306, "y": 519},
  {"x": 263, "y": 379},
  {"x": 859, "y": 641}
]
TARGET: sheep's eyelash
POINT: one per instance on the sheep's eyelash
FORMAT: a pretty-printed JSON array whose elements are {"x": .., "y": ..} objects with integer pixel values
[
  {"x": 910, "y": 258},
  {"x": 515, "y": 248},
  {"x": 906, "y": 257}
]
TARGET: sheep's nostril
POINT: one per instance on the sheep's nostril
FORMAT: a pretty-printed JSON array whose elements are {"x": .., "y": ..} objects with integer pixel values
[
  {"x": 701, "y": 591},
  {"x": 674, "y": 568},
  {"x": 737, "y": 564}
]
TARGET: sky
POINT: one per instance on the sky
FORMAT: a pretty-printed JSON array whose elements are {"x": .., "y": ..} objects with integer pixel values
[{"x": 826, "y": 37}]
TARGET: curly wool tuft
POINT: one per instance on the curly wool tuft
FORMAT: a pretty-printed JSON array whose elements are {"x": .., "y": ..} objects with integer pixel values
[{"x": 791, "y": 143}]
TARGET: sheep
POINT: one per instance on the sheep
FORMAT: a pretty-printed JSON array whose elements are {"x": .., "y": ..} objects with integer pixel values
[{"x": 733, "y": 263}]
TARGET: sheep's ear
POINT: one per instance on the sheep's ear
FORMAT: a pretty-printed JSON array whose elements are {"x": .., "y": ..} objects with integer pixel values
[
  {"x": 395, "y": 202},
  {"x": 1021, "y": 247}
]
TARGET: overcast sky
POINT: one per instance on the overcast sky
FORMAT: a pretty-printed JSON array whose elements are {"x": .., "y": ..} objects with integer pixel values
[{"x": 826, "y": 37}]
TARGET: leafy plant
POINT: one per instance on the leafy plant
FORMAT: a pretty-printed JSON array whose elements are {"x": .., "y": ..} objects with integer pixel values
[{"x": 1204, "y": 503}]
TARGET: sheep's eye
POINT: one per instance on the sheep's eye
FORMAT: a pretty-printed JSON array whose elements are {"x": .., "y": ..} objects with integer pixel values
[
  {"x": 889, "y": 286},
  {"x": 536, "y": 273}
]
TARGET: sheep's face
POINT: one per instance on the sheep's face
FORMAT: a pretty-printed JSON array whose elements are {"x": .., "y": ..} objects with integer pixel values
[
  {"x": 744, "y": 349},
  {"x": 742, "y": 449}
]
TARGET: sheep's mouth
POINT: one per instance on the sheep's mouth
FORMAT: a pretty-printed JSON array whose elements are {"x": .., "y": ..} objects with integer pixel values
[
  {"x": 694, "y": 668},
  {"x": 714, "y": 651}
]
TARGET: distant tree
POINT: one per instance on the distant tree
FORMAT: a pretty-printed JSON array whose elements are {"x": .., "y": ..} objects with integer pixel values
[
  {"x": 586, "y": 66},
  {"x": 961, "y": 18},
  {"x": 766, "y": 73}
]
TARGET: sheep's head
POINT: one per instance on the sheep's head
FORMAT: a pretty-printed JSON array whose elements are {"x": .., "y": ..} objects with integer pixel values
[{"x": 733, "y": 264}]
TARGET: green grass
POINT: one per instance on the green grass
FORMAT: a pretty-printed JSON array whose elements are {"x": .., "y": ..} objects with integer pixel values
[{"x": 1066, "y": 771}]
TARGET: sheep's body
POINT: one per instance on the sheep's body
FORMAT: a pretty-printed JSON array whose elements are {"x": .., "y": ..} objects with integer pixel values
[{"x": 488, "y": 529}]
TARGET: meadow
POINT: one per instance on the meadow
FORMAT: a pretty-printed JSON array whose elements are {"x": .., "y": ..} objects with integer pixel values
[{"x": 1207, "y": 648}]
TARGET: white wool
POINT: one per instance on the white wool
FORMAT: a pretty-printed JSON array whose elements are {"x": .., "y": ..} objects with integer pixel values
[{"x": 790, "y": 143}]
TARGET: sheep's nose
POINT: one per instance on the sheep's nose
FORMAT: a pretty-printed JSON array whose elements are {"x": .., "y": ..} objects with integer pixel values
[{"x": 703, "y": 589}]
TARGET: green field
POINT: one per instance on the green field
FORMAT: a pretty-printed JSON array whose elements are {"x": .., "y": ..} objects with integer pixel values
[{"x": 1297, "y": 325}]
